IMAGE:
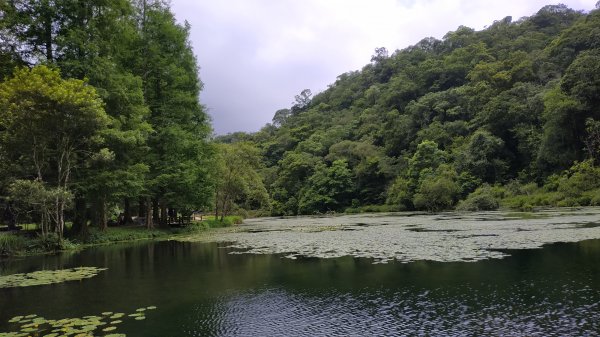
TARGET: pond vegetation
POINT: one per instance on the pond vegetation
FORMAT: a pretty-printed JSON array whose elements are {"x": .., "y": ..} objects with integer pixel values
[
  {"x": 102, "y": 325},
  {"x": 44, "y": 277},
  {"x": 445, "y": 237}
]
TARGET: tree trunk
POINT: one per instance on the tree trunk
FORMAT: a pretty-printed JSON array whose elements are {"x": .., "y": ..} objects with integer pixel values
[
  {"x": 48, "y": 32},
  {"x": 79, "y": 218},
  {"x": 148, "y": 204},
  {"x": 102, "y": 221},
  {"x": 10, "y": 217},
  {"x": 127, "y": 220},
  {"x": 163, "y": 215},
  {"x": 224, "y": 207},
  {"x": 155, "y": 215},
  {"x": 142, "y": 208},
  {"x": 217, "y": 205}
]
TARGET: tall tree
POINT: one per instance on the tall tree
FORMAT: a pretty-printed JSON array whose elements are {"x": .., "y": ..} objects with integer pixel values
[
  {"x": 49, "y": 126},
  {"x": 180, "y": 173}
]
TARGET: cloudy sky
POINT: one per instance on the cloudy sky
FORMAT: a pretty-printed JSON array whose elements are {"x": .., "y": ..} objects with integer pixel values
[{"x": 255, "y": 55}]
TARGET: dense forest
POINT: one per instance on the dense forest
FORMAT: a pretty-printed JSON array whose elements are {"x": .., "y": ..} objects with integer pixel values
[
  {"x": 506, "y": 114},
  {"x": 100, "y": 116}
]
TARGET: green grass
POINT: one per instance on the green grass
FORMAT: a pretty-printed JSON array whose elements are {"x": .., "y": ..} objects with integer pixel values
[
  {"x": 120, "y": 234},
  {"x": 28, "y": 242},
  {"x": 11, "y": 243},
  {"x": 229, "y": 220}
]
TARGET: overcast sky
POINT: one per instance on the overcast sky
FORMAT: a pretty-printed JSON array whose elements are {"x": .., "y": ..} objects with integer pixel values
[{"x": 256, "y": 55}]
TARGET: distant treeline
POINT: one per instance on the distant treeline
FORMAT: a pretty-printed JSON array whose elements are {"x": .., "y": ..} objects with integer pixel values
[{"x": 507, "y": 114}]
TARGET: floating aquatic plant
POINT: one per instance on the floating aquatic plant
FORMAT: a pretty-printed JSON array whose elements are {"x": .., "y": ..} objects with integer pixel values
[
  {"x": 101, "y": 325},
  {"x": 44, "y": 277},
  {"x": 447, "y": 237}
]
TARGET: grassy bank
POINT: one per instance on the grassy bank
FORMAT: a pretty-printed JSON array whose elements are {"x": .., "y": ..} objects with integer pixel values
[{"x": 29, "y": 242}]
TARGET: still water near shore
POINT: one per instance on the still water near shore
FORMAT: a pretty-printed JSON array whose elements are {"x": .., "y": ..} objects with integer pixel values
[{"x": 200, "y": 289}]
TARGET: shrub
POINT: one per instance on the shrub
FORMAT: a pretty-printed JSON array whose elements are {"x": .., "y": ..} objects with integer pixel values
[
  {"x": 11, "y": 244},
  {"x": 482, "y": 199},
  {"x": 437, "y": 192},
  {"x": 49, "y": 243},
  {"x": 227, "y": 221}
]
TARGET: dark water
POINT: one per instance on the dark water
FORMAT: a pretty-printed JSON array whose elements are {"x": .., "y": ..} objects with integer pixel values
[{"x": 200, "y": 290}]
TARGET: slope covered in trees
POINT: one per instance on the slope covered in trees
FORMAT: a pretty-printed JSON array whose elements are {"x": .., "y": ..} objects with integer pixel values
[
  {"x": 512, "y": 105},
  {"x": 102, "y": 116}
]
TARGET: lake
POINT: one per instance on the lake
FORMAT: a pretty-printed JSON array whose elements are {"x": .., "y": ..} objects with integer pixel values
[{"x": 201, "y": 289}]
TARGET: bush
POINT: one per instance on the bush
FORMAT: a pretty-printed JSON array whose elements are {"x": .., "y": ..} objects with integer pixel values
[
  {"x": 118, "y": 234},
  {"x": 436, "y": 194},
  {"x": 398, "y": 194},
  {"x": 227, "y": 221},
  {"x": 595, "y": 198},
  {"x": 580, "y": 177},
  {"x": 11, "y": 244},
  {"x": 49, "y": 243},
  {"x": 482, "y": 199}
]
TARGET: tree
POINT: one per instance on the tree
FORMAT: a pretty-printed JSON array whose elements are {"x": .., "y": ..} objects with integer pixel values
[
  {"x": 592, "y": 141},
  {"x": 328, "y": 189},
  {"x": 31, "y": 28},
  {"x": 280, "y": 117},
  {"x": 293, "y": 172},
  {"x": 427, "y": 156},
  {"x": 48, "y": 126},
  {"x": 239, "y": 182},
  {"x": 381, "y": 53},
  {"x": 438, "y": 190},
  {"x": 301, "y": 101},
  {"x": 179, "y": 156},
  {"x": 482, "y": 157}
]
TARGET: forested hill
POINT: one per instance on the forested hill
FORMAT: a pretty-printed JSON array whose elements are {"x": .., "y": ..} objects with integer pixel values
[{"x": 424, "y": 127}]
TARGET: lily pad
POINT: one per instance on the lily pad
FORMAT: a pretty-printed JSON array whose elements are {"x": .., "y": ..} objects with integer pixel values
[
  {"x": 406, "y": 237},
  {"x": 87, "y": 326},
  {"x": 44, "y": 277}
]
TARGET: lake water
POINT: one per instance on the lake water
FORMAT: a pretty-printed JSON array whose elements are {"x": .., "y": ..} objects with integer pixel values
[{"x": 202, "y": 290}]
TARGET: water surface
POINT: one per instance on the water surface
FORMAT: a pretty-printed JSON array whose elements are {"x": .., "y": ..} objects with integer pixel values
[{"x": 202, "y": 290}]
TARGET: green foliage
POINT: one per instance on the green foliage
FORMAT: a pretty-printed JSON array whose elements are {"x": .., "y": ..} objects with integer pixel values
[
  {"x": 49, "y": 125},
  {"x": 125, "y": 127},
  {"x": 11, "y": 244},
  {"x": 398, "y": 194},
  {"x": 239, "y": 184},
  {"x": 481, "y": 157},
  {"x": 227, "y": 221},
  {"x": 419, "y": 128},
  {"x": 329, "y": 189},
  {"x": 580, "y": 177},
  {"x": 123, "y": 234},
  {"x": 508, "y": 102},
  {"x": 437, "y": 189},
  {"x": 482, "y": 199}
]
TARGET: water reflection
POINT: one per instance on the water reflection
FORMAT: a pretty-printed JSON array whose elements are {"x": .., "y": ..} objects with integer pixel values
[{"x": 201, "y": 290}]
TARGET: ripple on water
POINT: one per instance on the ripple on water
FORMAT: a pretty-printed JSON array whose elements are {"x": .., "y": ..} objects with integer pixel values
[{"x": 519, "y": 310}]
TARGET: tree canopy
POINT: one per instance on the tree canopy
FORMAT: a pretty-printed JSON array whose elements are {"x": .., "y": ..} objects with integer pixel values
[{"x": 425, "y": 126}]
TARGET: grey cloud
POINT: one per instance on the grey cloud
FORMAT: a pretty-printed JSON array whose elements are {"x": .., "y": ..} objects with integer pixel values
[{"x": 255, "y": 55}]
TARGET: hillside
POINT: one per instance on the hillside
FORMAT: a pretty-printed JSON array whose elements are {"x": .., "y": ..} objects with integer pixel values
[{"x": 512, "y": 105}]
